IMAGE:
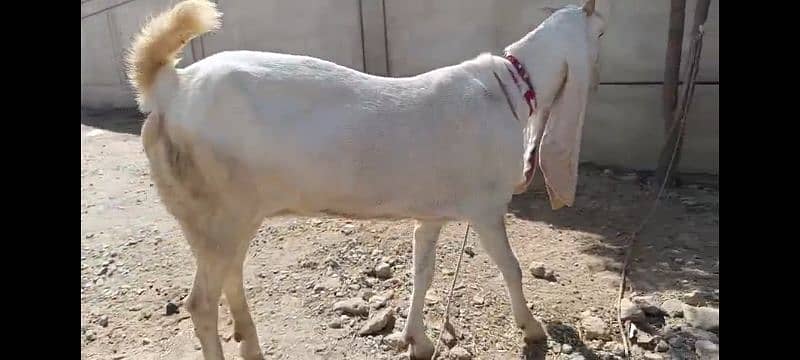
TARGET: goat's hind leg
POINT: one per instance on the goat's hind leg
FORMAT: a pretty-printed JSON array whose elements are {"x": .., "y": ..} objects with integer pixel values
[
  {"x": 244, "y": 330},
  {"x": 219, "y": 247}
]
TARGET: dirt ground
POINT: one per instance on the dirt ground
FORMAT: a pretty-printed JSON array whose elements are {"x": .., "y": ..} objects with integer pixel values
[{"x": 134, "y": 261}]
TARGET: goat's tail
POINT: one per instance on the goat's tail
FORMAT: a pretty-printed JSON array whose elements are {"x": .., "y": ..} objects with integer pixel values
[{"x": 160, "y": 40}]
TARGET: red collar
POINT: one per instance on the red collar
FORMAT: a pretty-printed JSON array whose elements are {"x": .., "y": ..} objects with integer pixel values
[{"x": 530, "y": 94}]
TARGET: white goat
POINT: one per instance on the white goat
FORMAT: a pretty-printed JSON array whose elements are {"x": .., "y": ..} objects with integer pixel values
[{"x": 241, "y": 136}]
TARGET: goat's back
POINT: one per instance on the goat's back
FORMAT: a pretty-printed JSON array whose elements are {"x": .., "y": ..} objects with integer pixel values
[{"x": 319, "y": 137}]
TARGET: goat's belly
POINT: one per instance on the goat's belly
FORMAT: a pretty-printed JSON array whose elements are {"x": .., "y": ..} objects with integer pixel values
[{"x": 368, "y": 199}]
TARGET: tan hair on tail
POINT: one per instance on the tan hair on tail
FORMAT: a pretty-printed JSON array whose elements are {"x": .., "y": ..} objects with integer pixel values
[{"x": 160, "y": 40}]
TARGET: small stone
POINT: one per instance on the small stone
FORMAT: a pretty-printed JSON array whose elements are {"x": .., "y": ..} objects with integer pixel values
[
  {"x": 594, "y": 328},
  {"x": 197, "y": 347},
  {"x": 308, "y": 264},
  {"x": 103, "y": 321},
  {"x": 618, "y": 349},
  {"x": 673, "y": 308},
  {"x": 696, "y": 298},
  {"x": 395, "y": 341},
  {"x": 577, "y": 356},
  {"x": 653, "y": 356},
  {"x": 645, "y": 340},
  {"x": 90, "y": 336},
  {"x": 478, "y": 299},
  {"x": 379, "y": 301},
  {"x": 328, "y": 284},
  {"x": 566, "y": 349},
  {"x": 705, "y": 318},
  {"x": 348, "y": 229},
  {"x": 608, "y": 172},
  {"x": 136, "y": 307},
  {"x": 662, "y": 346},
  {"x": 171, "y": 309},
  {"x": 629, "y": 311},
  {"x": 648, "y": 306},
  {"x": 459, "y": 353},
  {"x": 537, "y": 269},
  {"x": 367, "y": 294},
  {"x": 383, "y": 271},
  {"x": 335, "y": 324},
  {"x": 706, "y": 350},
  {"x": 354, "y": 307},
  {"x": 377, "y": 322},
  {"x": 700, "y": 334},
  {"x": 146, "y": 341},
  {"x": 469, "y": 251}
]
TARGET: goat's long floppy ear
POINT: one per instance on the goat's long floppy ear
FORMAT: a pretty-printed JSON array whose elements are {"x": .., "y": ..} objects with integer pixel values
[{"x": 559, "y": 151}]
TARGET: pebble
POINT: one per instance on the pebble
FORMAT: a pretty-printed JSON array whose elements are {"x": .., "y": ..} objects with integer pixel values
[
  {"x": 701, "y": 334},
  {"x": 629, "y": 311},
  {"x": 335, "y": 324},
  {"x": 171, "y": 309},
  {"x": 648, "y": 306},
  {"x": 459, "y": 353},
  {"x": 696, "y": 298},
  {"x": 395, "y": 341},
  {"x": 594, "y": 328},
  {"x": 327, "y": 284},
  {"x": 662, "y": 346},
  {"x": 377, "y": 322},
  {"x": 146, "y": 341},
  {"x": 103, "y": 321},
  {"x": 705, "y": 318},
  {"x": 379, "y": 301},
  {"x": 645, "y": 340},
  {"x": 673, "y": 308},
  {"x": 537, "y": 269},
  {"x": 367, "y": 294},
  {"x": 383, "y": 271},
  {"x": 354, "y": 306},
  {"x": 348, "y": 229},
  {"x": 566, "y": 348},
  {"x": 469, "y": 251},
  {"x": 706, "y": 350},
  {"x": 478, "y": 299}
]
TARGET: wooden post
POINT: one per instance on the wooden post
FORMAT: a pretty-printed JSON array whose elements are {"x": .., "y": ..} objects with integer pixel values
[
  {"x": 670, "y": 153},
  {"x": 672, "y": 67}
]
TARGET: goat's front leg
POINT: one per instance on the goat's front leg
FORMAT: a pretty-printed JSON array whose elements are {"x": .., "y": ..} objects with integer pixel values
[
  {"x": 425, "y": 236},
  {"x": 493, "y": 238}
]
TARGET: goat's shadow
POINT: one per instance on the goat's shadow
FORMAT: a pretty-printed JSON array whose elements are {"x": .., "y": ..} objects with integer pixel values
[
  {"x": 680, "y": 241},
  {"x": 561, "y": 334}
]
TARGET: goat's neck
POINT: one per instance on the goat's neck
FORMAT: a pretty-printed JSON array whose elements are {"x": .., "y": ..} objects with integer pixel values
[{"x": 543, "y": 62}]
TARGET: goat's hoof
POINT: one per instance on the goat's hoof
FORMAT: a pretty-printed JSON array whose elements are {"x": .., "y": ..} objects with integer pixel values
[
  {"x": 534, "y": 332},
  {"x": 249, "y": 350},
  {"x": 419, "y": 348},
  {"x": 534, "y": 350}
]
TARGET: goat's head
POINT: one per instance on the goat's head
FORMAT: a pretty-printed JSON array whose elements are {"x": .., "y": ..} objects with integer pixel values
[{"x": 561, "y": 55}]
